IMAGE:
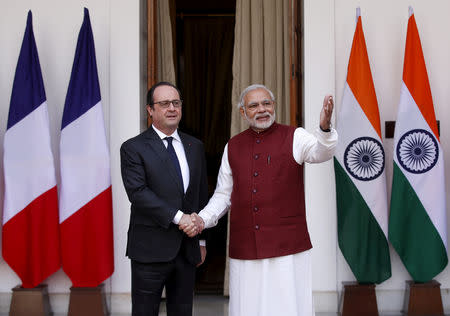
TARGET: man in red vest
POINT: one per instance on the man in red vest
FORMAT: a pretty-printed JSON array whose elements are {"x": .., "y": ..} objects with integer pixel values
[{"x": 261, "y": 182}]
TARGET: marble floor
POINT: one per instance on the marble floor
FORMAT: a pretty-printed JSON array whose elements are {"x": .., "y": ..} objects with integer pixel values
[{"x": 205, "y": 305}]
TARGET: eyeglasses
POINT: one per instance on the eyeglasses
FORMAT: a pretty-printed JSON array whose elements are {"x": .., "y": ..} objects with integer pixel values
[
  {"x": 166, "y": 103},
  {"x": 268, "y": 104}
]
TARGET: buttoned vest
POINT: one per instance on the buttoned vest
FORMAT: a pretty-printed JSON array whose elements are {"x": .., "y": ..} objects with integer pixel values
[{"x": 267, "y": 216}]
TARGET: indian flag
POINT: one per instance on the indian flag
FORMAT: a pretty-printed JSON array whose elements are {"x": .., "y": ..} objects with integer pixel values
[
  {"x": 417, "y": 222},
  {"x": 360, "y": 174}
]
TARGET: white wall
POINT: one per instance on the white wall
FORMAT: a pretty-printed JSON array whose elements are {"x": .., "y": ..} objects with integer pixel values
[
  {"x": 319, "y": 64},
  {"x": 328, "y": 32},
  {"x": 329, "y": 28}
]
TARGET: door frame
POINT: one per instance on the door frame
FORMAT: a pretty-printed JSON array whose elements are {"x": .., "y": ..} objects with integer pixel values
[
  {"x": 152, "y": 28},
  {"x": 296, "y": 57}
]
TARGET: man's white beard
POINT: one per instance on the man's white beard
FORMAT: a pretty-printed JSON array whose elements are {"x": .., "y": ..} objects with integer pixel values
[{"x": 260, "y": 125}]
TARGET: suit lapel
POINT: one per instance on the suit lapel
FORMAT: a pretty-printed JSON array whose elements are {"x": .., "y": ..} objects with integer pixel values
[{"x": 158, "y": 147}]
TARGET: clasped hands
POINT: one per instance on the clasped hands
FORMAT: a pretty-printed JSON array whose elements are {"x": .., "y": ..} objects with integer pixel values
[{"x": 191, "y": 224}]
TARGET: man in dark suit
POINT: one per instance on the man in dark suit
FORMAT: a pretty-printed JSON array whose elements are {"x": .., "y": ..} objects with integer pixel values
[{"x": 164, "y": 174}]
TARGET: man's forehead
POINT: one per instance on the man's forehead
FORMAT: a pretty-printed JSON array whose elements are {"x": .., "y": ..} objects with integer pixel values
[
  {"x": 165, "y": 90},
  {"x": 257, "y": 95}
]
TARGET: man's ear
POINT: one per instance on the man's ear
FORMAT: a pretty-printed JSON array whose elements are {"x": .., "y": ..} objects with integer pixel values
[
  {"x": 149, "y": 110},
  {"x": 241, "y": 110}
]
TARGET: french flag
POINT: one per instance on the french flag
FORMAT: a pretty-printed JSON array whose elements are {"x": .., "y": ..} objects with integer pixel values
[
  {"x": 85, "y": 194},
  {"x": 30, "y": 234}
]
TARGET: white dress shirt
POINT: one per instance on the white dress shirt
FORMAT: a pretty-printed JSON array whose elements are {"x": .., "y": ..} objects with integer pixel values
[{"x": 181, "y": 155}]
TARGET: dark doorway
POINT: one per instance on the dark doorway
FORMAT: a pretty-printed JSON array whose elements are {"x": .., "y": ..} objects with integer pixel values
[{"x": 204, "y": 55}]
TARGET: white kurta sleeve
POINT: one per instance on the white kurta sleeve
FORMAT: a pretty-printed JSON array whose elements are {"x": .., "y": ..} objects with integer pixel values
[
  {"x": 220, "y": 202},
  {"x": 313, "y": 148}
]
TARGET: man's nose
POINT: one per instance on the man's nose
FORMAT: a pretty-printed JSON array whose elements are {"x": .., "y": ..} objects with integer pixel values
[{"x": 261, "y": 107}]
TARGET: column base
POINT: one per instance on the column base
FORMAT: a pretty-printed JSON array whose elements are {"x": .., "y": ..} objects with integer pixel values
[
  {"x": 358, "y": 299},
  {"x": 423, "y": 299},
  {"x": 88, "y": 301},
  {"x": 30, "y": 302}
]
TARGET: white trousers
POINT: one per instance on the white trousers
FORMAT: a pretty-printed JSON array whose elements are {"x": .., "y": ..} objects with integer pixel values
[{"x": 271, "y": 287}]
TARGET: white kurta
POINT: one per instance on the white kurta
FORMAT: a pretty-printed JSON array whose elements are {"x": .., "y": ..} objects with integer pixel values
[{"x": 272, "y": 286}]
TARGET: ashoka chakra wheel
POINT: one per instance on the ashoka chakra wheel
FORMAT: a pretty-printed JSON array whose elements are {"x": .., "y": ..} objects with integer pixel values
[
  {"x": 364, "y": 158},
  {"x": 417, "y": 151}
]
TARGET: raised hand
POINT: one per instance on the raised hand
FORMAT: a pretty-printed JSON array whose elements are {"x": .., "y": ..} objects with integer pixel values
[{"x": 327, "y": 111}]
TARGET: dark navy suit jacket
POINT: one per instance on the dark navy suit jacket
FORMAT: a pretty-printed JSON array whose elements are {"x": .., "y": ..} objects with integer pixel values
[{"x": 156, "y": 194}]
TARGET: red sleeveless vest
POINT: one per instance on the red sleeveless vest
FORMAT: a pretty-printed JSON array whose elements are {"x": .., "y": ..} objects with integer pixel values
[{"x": 267, "y": 216}]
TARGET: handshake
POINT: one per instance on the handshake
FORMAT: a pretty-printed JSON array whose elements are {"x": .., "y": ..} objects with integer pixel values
[{"x": 191, "y": 224}]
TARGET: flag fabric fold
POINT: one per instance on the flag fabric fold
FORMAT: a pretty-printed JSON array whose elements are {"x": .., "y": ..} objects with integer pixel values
[
  {"x": 417, "y": 220},
  {"x": 30, "y": 234},
  {"x": 85, "y": 195},
  {"x": 359, "y": 166}
]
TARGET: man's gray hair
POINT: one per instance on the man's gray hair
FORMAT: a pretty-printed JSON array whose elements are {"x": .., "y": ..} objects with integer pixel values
[{"x": 251, "y": 88}]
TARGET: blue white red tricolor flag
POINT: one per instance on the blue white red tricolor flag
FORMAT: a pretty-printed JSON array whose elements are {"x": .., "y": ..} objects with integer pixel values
[
  {"x": 85, "y": 195},
  {"x": 30, "y": 235}
]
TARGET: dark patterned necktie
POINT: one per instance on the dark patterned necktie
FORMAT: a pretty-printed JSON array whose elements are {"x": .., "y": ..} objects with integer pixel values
[{"x": 174, "y": 158}]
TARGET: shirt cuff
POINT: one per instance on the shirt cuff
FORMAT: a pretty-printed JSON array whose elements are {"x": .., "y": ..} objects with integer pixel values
[
  {"x": 202, "y": 242},
  {"x": 204, "y": 220},
  {"x": 326, "y": 136},
  {"x": 325, "y": 130},
  {"x": 177, "y": 218}
]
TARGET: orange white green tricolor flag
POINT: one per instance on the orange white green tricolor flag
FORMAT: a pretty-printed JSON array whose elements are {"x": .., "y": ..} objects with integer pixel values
[
  {"x": 360, "y": 174},
  {"x": 417, "y": 221}
]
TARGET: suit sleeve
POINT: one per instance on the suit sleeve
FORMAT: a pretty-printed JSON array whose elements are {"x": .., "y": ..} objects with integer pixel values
[{"x": 140, "y": 195}]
